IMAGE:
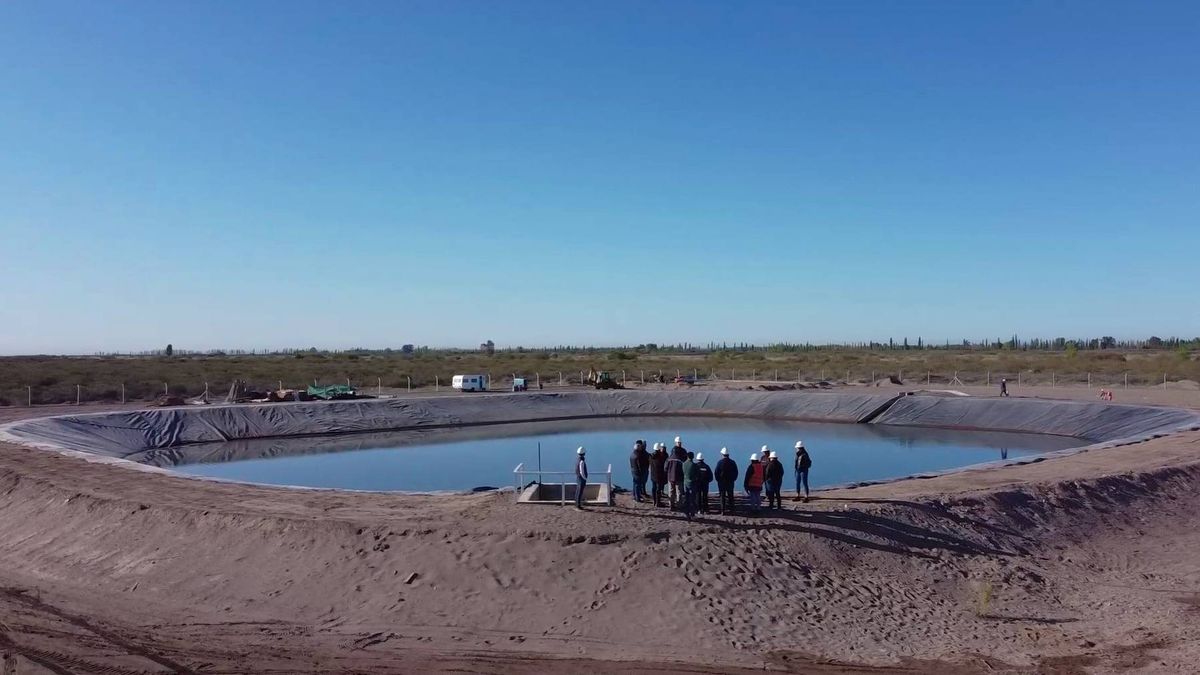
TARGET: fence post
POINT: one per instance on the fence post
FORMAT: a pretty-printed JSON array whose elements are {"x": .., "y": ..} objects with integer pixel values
[
  {"x": 409, "y": 378},
  {"x": 1018, "y": 378},
  {"x": 622, "y": 377},
  {"x": 900, "y": 375},
  {"x": 280, "y": 386},
  {"x": 29, "y": 396},
  {"x": 1089, "y": 380},
  {"x": 1164, "y": 380},
  {"x": 1052, "y": 378},
  {"x": 927, "y": 380},
  {"x": 695, "y": 374},
  {"x": 989, "y": 378},
  {"x": 642, "y": 376},
  {"x": 847, "y": 377},
  {"x": 437, "y": 384},
  {"x": 538, "y": 378},
  {"x": 1127, "y": 379},
  {"x": 872, "y": 378},
  {"x": 733, "y": 373},
  {"x": 78, "y": 389},
  {"x": 166, "y": 390},
  {"x": 560, "y": 380},
  {"x": 122, "y": 392},
  {"x": 379, "y": 386}
]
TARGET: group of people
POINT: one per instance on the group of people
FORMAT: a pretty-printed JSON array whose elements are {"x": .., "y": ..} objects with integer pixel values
[{"x": 683, "y": 479}]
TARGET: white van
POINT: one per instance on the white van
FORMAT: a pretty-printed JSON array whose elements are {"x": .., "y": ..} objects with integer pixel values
[{"x": 470, "y": 382}]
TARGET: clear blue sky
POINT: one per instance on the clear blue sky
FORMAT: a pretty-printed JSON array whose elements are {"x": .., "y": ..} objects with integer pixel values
[{"x": 260, "y": 174}]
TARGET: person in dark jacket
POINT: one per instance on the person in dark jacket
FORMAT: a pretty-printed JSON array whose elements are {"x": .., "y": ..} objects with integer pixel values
[
  {"x": 658, "y": 472},
  {"x": 803, "y": 464},
  {"x": 679, "y": 451},
  {"x": 704, "y": 477},
  {"x": 639, "y": 468},
  {"x": 675, "y": 478},
  {"x": 774, "y": 482},
  {"x": 726, "y": 475},
  {"x": 581, "y": 476},
  {"x": 689, "y": 486}
]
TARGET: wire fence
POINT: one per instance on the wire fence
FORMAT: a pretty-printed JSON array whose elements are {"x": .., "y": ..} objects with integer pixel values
[{"x": 89, "y": 391}]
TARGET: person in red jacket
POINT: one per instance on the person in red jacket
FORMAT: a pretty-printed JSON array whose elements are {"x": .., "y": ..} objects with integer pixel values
[
  {"x": 755, "y": 477},
  {"x": 658, "y": 472}
]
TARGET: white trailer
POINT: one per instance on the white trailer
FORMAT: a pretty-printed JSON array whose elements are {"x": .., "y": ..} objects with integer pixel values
[{"x": 470, "y": 382}]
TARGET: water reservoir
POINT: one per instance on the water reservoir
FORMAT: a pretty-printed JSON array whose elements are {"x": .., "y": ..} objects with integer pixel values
[{"x": 462, "y": 459}]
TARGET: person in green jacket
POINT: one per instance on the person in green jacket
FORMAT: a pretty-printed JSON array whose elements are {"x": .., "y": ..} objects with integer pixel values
[{"x": 689, "y": 486}]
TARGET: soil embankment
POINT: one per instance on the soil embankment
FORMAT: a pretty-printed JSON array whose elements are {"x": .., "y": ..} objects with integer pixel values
[{"x": 1079, "y": 563}]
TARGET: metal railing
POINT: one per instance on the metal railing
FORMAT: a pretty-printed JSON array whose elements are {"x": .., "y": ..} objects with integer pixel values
[{"x": 520, "y": 473}]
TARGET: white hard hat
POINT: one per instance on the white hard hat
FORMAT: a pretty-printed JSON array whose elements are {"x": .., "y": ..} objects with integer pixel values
[
  {"x": 656, "y": 446},
  {"x": 678, "y": 440},
  {"x": 765, "y": 450},
  {"x": 580, "y": 451},
  {"x": 724, "y": 451},
  {"x": 636, "y": 445},
  {"x": 774, "y": 455},
  {"x": 699, "y": 456},
  {"x": 799, "y": 444},
  {"x": 753, "y": 456}
]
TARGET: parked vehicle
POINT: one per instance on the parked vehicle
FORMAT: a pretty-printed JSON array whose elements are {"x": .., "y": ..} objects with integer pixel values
[
  {"x": 470, "y": 382},
  {"x": 602, "y": 379},
  {"x": 519, "y": 384}
]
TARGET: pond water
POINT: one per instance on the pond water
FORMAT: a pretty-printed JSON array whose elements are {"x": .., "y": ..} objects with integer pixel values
[{"x": 463, "y": 459}]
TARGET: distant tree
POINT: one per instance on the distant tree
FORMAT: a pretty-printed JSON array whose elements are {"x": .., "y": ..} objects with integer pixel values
[
  {"x": 1154, "y": 342},
  {"x": 1072, "y": 350},
  {"x": 407, "y": 349},
  {"x": 170, "y": 350},
  {"x": 1108, "y": 342}
]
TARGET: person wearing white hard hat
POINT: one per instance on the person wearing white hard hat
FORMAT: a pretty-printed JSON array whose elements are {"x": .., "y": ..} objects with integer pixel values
[
  {"x": 803, "y": 464},
  {"x": 581, "y": 476},
  {"x": 689, "y": 486},
  {"x": 658, "y": 472},
  {"x": 774, "y": 483},
  {"x": 755, "y": 477},
  {"x": 704, "y": 476},
  {"x": 675, "y": 476},
  {"x": 679, "y": 452},
  {"x": 726, "y": 475}
]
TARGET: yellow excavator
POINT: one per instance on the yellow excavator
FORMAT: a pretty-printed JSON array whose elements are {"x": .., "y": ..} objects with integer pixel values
[{"x": 602, "y": 379}]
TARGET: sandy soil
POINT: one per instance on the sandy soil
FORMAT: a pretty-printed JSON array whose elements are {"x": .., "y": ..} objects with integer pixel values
[{"x": 1087, "y": 563}]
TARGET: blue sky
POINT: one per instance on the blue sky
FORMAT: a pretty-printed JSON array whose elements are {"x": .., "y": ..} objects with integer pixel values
[{"x": 268, "y": 174}]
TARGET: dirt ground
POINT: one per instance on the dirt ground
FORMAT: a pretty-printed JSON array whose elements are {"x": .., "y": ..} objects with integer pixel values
[{"x": 1081, "y": 564}]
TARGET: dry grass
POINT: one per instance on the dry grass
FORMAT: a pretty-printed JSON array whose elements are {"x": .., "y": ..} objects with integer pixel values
[{"x": 53, "y": 379}]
